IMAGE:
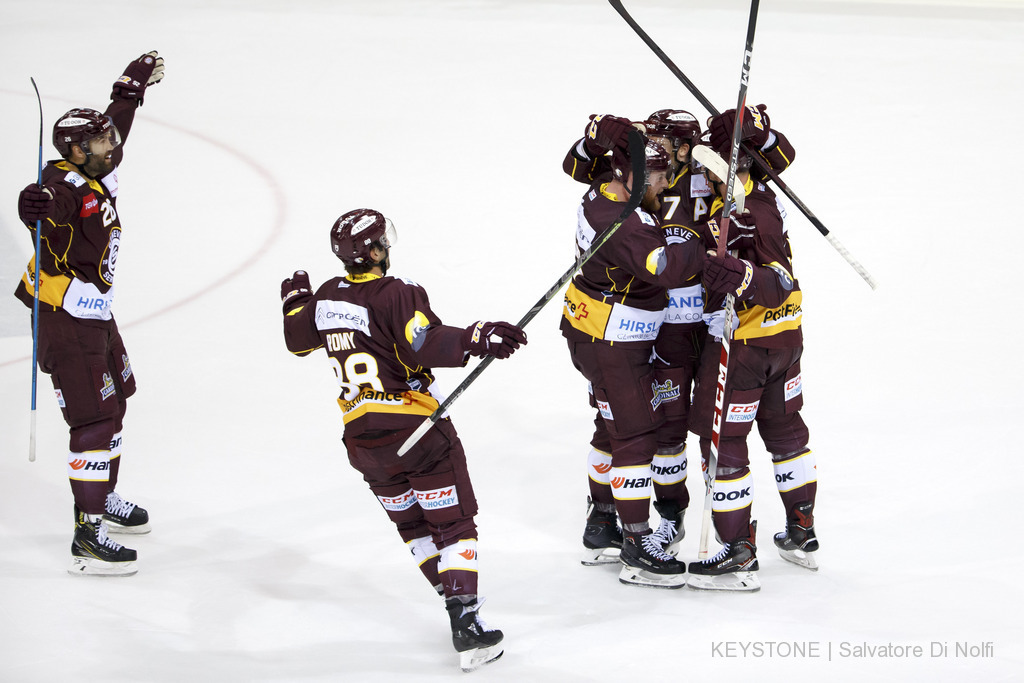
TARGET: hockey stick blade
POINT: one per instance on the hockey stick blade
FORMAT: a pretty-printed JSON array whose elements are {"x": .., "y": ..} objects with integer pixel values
[
  {"x": 758, "y": 161},
  {"x": 706, "y": 156},
  {"x": 638, "y": 159}
]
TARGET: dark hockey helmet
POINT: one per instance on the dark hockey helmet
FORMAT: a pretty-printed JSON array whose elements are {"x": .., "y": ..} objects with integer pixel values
[
  {"x": 79, "y": 126},
  {"x": 357, "y": 232},
  {"x": 656, "y": 156},
  {"x": 681, "y": 127}
]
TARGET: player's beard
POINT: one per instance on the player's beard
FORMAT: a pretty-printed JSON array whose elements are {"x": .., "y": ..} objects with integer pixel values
[
  {"x": 651, "y": 201},
  {"x": 97, "y": 167}
]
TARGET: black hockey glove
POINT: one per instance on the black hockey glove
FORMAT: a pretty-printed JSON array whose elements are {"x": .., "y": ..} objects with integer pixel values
[
  {"x": 295, "y": 287},
  {"x": 145, "y": 71},
  {"x": 606, "y": 132},
  {"x": 755, "y": 129},
  {"x": 498, "y": 339},
  {"x": 727, "y": 274},
  {"x": 35, "y": 204},
  {"x": 742, "y": 230}
]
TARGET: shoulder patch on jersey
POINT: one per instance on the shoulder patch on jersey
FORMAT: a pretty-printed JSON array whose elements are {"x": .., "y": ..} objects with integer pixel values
[
  {"x": 645, "y": 217},
  {"x": 784, "y": 276},
  {"x": 75, "y": 179},
  {"x": 656, "y": 261},
  {"x": 409, "y": 282},
  {"x": 415, "y": 330}
]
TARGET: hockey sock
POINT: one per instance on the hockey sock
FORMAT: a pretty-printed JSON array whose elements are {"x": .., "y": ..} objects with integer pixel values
[
  {"x": 457, "y": 568},
  {"x": 427, "y": 557},
  {"x": 668, "y": 474},
  {"x": 89, "y": 476},
  {"x": 631, "y": 487},
  {"x": 796, "y": 475},
  {"x": 599, "y": 467},
  {"x": 115, "y": 459},
  {"x": 731, "y": 501}
]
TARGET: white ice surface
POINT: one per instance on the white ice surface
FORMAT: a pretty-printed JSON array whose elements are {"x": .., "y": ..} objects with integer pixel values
[{"x": 270, "y": 561}]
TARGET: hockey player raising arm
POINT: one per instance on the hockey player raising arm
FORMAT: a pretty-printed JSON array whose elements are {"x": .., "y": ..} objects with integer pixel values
[
  {"x": 382, "y": 339},
  {"x": 764, "y": 385},
  {"x": 79, "y": 343}
]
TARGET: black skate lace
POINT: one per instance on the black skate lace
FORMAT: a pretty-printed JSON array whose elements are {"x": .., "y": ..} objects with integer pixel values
[
  {"x": 116, "y": 505},
  {"x": 650, "y": 544}
]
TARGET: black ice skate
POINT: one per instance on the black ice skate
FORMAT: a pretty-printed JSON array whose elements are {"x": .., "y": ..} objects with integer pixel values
[
  {"x": 123, "y": 517},
  {"x": 602, "y": 537},
  {"x": 473, "y": 640},
  {"x": 670, "y": 530},
  {"x": 798, "y": 542},
  {"x": 645, "y": 563},
  {"x": 732, "y": 569},
  {"x": 93, "y": 553}
]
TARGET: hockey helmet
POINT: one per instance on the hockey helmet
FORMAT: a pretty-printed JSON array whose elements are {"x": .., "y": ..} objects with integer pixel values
[
  {"x": 744, "y": 162},
  {"x": 681, "y": 127},
  {"x": 656, "y": 156},
  {"x": 355, "y": 233},
  {"x": 79, "y": 126}
]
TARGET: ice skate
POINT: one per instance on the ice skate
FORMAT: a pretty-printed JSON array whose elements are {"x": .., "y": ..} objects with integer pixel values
[
  {"x": 124, "y": 517},
  {"x": 473, "y": 640},
  {"x": 645, "y": 563},
  {"x": 670, "y": 530},
  {"x": 93, "y": 553},
  {"x": 732, "y": 569},
  {"x": 798, "y": 543},
  {"x": 602, "y": 538}
]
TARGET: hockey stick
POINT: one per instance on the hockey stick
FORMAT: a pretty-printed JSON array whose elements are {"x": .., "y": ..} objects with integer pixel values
[
  {"x": 639, "y": 166},
  {"x": 35, "y": 295},
  {"x": 730, "y": 299},
  {"x": 706, "y": 103}
]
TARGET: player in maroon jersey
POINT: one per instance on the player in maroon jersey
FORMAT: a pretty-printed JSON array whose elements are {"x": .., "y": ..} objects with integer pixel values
[
  {"x": 382, "y": 339},
  {"x": 614, "y": 308},
  {"x": 684, "y": 212},
  {"x": 764, "y": 383},
  {"x": 79, "y": 343}
]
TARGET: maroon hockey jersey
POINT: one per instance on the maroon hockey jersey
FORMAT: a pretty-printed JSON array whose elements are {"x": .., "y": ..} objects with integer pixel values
[
  {"x": 620, "y": 294},
  {"x": 381, "y": 339},
  {"x": 80, "y": 247}
]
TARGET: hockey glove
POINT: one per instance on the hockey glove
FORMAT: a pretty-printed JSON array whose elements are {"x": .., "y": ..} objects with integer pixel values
[
  {"x": 742, "y": 230},
  {"x": 727, "y": 274},
  {"x": 145, "y": 71},
  {"x": 756, "y": 126},
  {"x": 295, "y": 287},
  {"x": 35, "y": 204},
  {"x": 606, "y": 132},
  {"x": 498, "y": 339}
]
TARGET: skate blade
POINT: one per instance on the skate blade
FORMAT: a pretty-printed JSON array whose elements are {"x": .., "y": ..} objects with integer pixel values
[
  {"x": 88, "y": 566},
  {"x": 592, "y": 558},
  {"x": 471, "y": 660},
  {"x": 115, "y": 528},
  {"x": 800, "y": 558},
  {"x": 634, "y": 576},
  {"x": 737, "y": 581}
]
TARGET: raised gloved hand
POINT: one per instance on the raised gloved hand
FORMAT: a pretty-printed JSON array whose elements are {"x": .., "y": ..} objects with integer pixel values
[
  {"x": 727, "y": 274},
  {"x": 742, "y": 230},
  {"x": 145, "y": 71},
  {"x": 498, "y": 339},
  {"x": 295, "y": 286},
  {"x": 35, "y": 204},
  {"x": 756, "y": 126},
  {"x": 606, "y": 132}
]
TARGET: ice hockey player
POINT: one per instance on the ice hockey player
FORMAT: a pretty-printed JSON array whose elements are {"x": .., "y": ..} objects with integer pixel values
[
  {"x": 677, "y": 351},
  {"x": 382, "y": 339},
  {"x": 764, "y": 383},
  {"x": 614, "y": 308},
  {"x": 79, "y": 343}
]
